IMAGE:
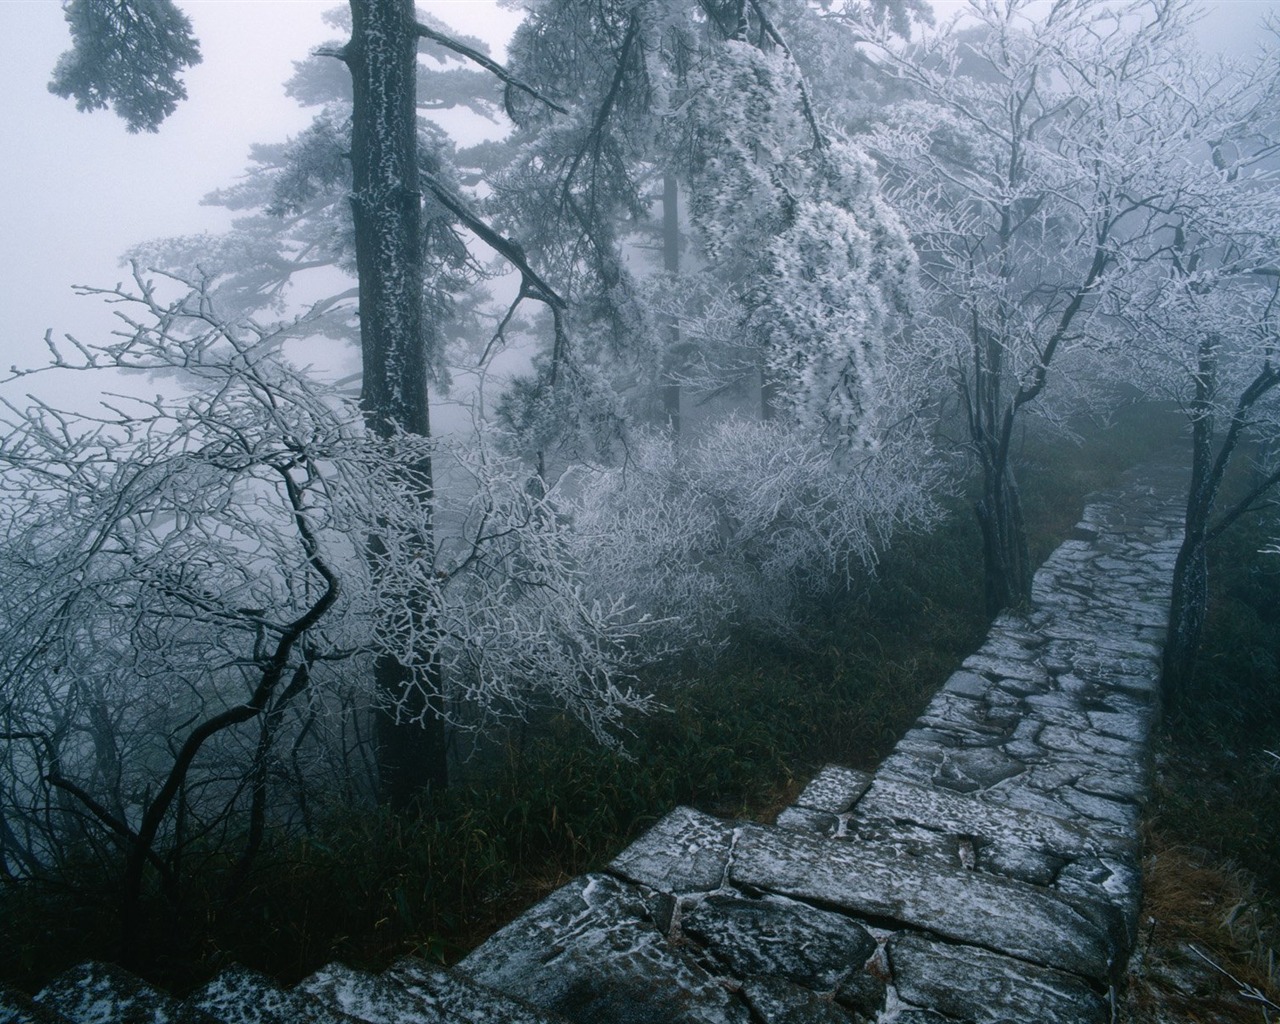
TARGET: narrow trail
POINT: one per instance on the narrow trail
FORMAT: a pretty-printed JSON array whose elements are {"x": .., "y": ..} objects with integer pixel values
[{"x": 988, "y": 871}]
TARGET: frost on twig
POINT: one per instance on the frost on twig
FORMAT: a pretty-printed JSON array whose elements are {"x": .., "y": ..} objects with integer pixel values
[
  {"x": 741, "y": 526},
  {"x": 188, "y": 591},
  {"x": 1247, "y": 992}
]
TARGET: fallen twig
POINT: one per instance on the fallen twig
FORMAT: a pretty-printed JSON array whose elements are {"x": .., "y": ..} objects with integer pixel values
[{"x": 1249, "y": 993}]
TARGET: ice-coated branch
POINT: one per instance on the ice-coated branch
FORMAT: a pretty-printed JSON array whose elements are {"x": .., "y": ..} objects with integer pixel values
[
  {"x": 511, "y": 251},
  {"x": 486, "y": 62},
  {"x": 196, "y": 561}
]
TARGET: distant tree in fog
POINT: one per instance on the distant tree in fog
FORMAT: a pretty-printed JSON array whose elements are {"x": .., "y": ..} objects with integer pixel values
[
  {"x": 705, "y": 104},
  {"x": 1023, "y": 161},
  {"x": 744, "y": 526},
  {"x": 1204, "y": 310},
  {"x": 127, "y": 55},
  {"x": 292, "y": 206}
]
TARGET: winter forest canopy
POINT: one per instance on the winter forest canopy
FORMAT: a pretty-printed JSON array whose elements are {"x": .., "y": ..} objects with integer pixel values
[{"x": 443, "y": 437}]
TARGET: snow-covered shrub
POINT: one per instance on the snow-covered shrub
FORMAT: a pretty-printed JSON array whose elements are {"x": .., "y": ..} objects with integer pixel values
[
  {"x": 734, "y": 529},
  {"x": 194, "y": 587}
]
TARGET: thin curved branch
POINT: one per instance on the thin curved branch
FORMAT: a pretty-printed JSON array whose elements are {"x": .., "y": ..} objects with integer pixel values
[
  {"x": 104, "y": 816},
  {"x": 505, "y": 247},
  {"x": 606, "y": 107},
  {"x": 488, "y": 63}
]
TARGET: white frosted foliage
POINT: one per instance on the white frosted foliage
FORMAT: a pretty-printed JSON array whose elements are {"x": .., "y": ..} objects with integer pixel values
[{"x": 740, "y": 525}]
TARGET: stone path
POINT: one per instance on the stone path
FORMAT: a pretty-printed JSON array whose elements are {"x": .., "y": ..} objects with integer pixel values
[{"x": 987, "y": 872}]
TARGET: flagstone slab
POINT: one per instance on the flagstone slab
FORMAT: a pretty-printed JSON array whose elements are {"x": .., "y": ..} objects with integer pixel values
[
  {"x": 804, "y": 819},
  {"x": 366, "y": 997},
  {"x": 973, "y": 984},
  {"x": 966, "y": 906},
  {"x": 834, "y": 789},
  {"x": 957, "y": 814},
  {"x": 591, "y": 953},
  {"x": 241, "y": 996},
  {"x": 778, "y": 938},
  {"x": 776, "y": 1001},
  {"x": 687, "y": 851},
  {"x": 19, "y": 1008},
  {"x": 94, "y": 992}
]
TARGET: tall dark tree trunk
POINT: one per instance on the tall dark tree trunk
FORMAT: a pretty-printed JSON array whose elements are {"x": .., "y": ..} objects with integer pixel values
[
  {"x": 992, "y": 410},
  {"x": 671, "y": 264},
  {"x": 1190, "y": 599},
  {"x": 1187, "y": 612},
  {"x": 386, "y": 205},
  {"x": 1006, "y": 557}
]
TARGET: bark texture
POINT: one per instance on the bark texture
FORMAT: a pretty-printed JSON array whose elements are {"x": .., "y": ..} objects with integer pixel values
[
  {"x": 1006, "y": 556},
  {"x": 1208, "y": 468},
  {"x": 386, "y": 205}
]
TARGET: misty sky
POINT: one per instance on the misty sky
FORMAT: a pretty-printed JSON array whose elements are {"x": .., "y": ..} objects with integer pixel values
[{"x": 78, "y": 189}]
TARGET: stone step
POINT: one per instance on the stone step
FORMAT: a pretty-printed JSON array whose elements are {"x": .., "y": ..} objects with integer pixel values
[
  {"x": 892, "y": 798},
  {"x": 18, "y": 1008},
  {"x": 868, "y": 882},
  {"x": 974, "y": 984},
  {"x": 460, "y": 998},
  {"x": 100, "y": 993},
  {"x": 908, "y": 827},
  {"x": 716, "y": 922},
  {"x": 412, "y": 991},
  {"x": 241, "y": 996},
  {"x": 829, "y": 794},
  {"x": 363, "y": 996},
  {"x": 597, "y": 950},
  {"x": 604, "y": 949}
]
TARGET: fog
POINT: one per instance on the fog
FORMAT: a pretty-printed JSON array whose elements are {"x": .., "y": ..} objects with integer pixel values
[
  {"x": 804, "y": 306},
  {"x": 80, "y": 189}
]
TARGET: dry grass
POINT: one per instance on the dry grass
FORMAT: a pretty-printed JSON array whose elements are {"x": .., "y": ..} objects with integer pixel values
[{"x": 1207, "y": 949}]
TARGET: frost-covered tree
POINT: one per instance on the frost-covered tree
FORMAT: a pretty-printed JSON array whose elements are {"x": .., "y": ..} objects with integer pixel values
[
  {"x": 128, "y": 55},
  {"x": 1202, "y": 307},
  {"x": 395, "y": 336},
  {"x": 1221, "y": 324},
  {"x": 739, "y": 527},
  {"x": 835, "y": 288},
  {"x": 1023, "y": 165},
  {"x": 713, "y": 98},
  {"x": 187, "y": 598}
]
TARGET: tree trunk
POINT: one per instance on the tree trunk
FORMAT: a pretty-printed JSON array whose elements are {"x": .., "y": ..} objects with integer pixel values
[
  {"x": 1186, "y": 618},
  {"x": 671, "y": 264},
  {"x": 1190, "y": 598},
  {"x": 386, "y": 206},
  {"x": 1006, "y": 558}
]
